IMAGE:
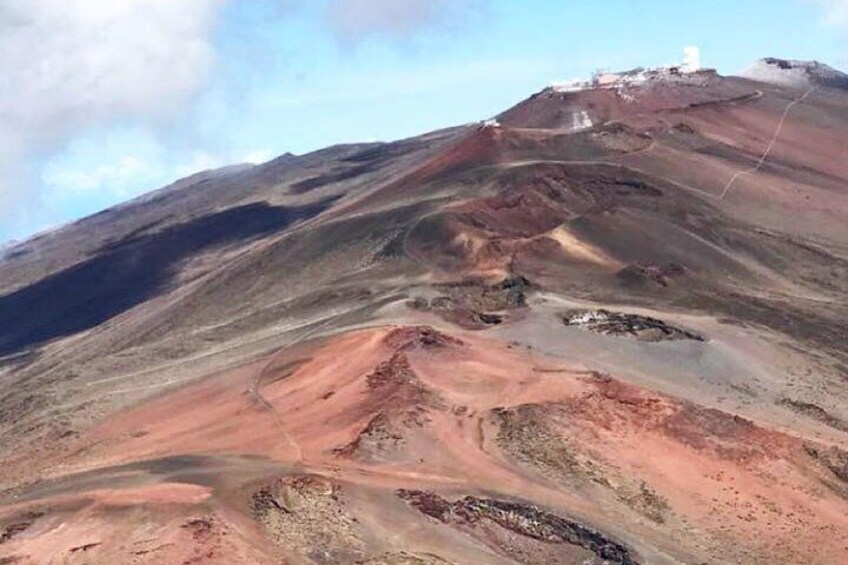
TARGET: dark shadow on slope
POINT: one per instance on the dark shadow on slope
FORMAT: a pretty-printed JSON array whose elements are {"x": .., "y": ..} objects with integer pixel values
[
  {"x": 127, "y": 273},
  {"x": 336, "y": 176}
]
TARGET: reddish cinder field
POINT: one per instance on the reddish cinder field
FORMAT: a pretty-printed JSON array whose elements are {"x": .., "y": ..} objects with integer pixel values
[{"x": 607, "y": 328}]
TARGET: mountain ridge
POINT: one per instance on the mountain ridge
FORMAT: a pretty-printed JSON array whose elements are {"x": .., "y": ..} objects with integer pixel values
[{"x": 550, "y": 337}]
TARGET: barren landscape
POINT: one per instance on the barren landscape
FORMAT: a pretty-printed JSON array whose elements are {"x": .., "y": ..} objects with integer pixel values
[{"x": 607, "y": 326}]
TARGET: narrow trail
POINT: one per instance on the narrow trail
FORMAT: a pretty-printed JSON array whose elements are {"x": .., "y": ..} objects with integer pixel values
[
  {"x": 255, "y": 387},
  {"x": 720, "y": 196},
  {"x": 770, "y": 146},
  {"x": 617, "y": 164}
]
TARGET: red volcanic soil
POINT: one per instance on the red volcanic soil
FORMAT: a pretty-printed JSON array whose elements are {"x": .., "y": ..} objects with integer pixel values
[
  {"x": 551, "y": 109},
  {"x": 159, "y": 523},
  {"x": 531, "y": 216},
  {"x": 417, "y": 408}
]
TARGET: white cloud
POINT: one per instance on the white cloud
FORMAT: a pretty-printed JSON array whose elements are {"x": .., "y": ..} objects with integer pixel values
[
  {"x": 72, "y": 67},
  {"x": 106, "y": 168},
  {"x": 114, "y": 177},
  {"x": 200, "y": 161},
  {"x": 67, "y": 65},
  {"x": 204, "y": 161},
  {"x": 351, "y": 19}
]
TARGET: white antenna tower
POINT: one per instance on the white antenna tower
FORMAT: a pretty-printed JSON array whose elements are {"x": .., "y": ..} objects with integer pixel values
[{"x": 691, "y": 59}]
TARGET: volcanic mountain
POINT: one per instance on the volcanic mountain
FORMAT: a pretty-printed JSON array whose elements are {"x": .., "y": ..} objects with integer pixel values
[{"x": 605, "y": 326}]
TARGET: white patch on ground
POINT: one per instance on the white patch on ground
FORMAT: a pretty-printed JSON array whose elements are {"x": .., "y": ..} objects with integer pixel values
[
  {"x": 587, "y": 317},
  {"x": 580, "y": 121}
]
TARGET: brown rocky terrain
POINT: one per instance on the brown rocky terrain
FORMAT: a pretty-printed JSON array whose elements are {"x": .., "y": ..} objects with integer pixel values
[{"x": 608, "y": 328}]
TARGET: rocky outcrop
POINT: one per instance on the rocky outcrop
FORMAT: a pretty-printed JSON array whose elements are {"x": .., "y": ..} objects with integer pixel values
[
  {"x": 520, "y": 518},
  {"x": 642, "y": 328}
]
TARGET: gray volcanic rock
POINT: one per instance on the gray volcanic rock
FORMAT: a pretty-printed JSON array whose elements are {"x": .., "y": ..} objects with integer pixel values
[{"x": 799, "y": 74}]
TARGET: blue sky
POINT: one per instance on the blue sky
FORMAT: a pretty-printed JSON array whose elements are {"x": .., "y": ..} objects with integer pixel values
[{"x": 137, "y": 93}]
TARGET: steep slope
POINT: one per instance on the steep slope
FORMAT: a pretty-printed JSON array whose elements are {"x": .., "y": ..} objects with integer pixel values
[{"x": 608, "y": 327}]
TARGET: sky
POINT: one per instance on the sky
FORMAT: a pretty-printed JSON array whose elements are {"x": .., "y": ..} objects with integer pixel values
[{"x": 104, "y": 100}]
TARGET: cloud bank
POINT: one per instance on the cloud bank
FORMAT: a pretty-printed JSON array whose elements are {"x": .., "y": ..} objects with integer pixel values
[
  {"x": 71, "y": 67},
  {"x": 68, "y": 65}
]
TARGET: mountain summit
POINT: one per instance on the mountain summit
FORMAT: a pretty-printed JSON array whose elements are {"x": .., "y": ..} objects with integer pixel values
[{"x": 797, "y": 74}]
